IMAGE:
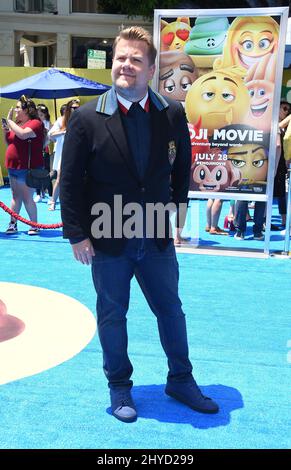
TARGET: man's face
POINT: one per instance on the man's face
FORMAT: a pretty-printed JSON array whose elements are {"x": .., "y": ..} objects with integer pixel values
[
  {"x": 251, "y": 160},
  {"x": 131, "y": 70}
]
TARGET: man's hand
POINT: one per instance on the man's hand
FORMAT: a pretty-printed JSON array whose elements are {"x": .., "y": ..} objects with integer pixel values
[{"x": 83, "y": 251}]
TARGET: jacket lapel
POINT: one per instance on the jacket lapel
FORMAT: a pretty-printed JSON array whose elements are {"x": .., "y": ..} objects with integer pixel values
[{"x": 107, "y": 104}]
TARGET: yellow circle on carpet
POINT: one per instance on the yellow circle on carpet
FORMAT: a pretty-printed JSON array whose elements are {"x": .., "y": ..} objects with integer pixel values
[{"x": 57, "y": 327}]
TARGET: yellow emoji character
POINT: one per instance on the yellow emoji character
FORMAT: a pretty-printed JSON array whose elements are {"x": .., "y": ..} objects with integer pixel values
[
  {"x": 260, "y": 83},
  {"x": 174, "y": 35},
  {"x": 249, "y": 40},
  {"x": 252, "y": 162},
  {"x": 219, "y": 98}
]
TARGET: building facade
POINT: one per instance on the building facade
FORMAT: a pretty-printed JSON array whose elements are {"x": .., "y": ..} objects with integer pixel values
[{"x": 44, "y": 33}]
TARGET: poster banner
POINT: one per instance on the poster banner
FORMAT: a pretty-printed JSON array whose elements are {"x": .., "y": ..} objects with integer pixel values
[{"x": 225, "y": 67}]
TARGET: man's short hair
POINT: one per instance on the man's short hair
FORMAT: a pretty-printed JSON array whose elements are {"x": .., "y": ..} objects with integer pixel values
[{"x": 137, "y": 33}]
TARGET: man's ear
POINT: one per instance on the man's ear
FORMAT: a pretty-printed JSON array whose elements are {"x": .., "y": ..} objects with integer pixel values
[{"x": 152, "y": 70}]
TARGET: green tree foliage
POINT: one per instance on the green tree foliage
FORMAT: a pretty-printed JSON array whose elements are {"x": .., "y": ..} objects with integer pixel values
[
  {"x": 143, "y": 8},
  {"x": 146, "y": 8}
]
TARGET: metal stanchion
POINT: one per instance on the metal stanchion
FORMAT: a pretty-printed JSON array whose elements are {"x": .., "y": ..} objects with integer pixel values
[{"x": 288, "y": 216}]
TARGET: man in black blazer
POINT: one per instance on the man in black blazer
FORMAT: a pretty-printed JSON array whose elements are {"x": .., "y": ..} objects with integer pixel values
[{"x": 125, "y": 166}]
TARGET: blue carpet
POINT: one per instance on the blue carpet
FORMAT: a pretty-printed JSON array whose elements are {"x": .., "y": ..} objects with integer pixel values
[
  {"x": 197, "y": 214},
  {"x": 238, "y": 326}
]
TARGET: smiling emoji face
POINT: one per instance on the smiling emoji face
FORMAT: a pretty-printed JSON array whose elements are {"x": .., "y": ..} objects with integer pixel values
[
  {"x": 260, "y": 83},
  {"x": 249, "y": 40},
  {"x": 217, "y": 98},
  {"x": 254, "y": 43},
  {"x": 260, "y": 113}
]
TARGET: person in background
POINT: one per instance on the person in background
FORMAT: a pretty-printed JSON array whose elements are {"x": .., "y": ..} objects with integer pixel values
[
  {"x": 229, "y": 218},
  {"x": 44, "y": 116},
  {"x": 240, "y": 222},
  {"x": 132, "y": 143},
  {"x": 280, "y": 176},
  {"x": 252, "y": 160},
  {"x": 24, "y": 134},
  {"x": 283, "y": 124},
  {"x": 52, "y": 157},
  {"x": 180, "y": 220},
  {"x": 57, "y": 135},
  {"x": 213, "y": 210},
  {"x": 286, "y": 126}
]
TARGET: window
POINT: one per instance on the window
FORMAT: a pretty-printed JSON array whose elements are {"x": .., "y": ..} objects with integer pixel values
[
  {"x": 35, "y": 6},
  {"x": 84, "y": 6}
]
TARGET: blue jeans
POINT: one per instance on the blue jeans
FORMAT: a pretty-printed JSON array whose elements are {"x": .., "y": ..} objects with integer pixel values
[
  {"x": 157, "y": 274},
  {"x": 241, "y": 213}
]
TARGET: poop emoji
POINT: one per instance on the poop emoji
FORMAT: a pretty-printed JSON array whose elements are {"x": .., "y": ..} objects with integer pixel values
[
  {"x": 206, "y": 40},
  {"x": 177, "y": 73}
]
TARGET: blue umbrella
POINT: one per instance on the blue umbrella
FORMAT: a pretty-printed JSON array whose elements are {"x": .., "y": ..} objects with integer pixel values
[{"x": 52, "y": 84}]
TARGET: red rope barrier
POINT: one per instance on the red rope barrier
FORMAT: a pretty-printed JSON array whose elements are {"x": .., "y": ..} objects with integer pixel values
[{"x": 25, "y": 221}]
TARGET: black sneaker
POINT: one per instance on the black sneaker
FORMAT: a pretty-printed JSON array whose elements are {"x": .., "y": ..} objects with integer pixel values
[
  {"x": 191, "y": 395},
  {"x": 33, "y": 231},
  {"x": 239, "y": 235},
  {"x": 122, "y": 405},
  {"x": 12, "y": 228},
  {"x": 275, "y": 228},
  {"x": 259, "y": 236}
]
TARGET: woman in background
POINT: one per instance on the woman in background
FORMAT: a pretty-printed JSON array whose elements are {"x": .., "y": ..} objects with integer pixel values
[
  {"x": 281, "y": 172},
  {"x": 23, "y": 135},
  {"x": 57, "y": 135},
  {"x": 44, "y": 116}
]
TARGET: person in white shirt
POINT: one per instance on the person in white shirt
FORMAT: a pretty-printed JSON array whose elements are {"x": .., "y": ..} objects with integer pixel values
[{"x": 57, "y": 135}]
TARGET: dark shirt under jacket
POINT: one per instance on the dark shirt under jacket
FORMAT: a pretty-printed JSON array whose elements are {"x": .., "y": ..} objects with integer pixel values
[
  {"x": 137, "y": 126},
  {"x": 97, "y": 164}
]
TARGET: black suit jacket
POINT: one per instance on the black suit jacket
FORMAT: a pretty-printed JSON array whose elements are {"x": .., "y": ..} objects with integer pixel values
[{"x": 97, "y": 165}]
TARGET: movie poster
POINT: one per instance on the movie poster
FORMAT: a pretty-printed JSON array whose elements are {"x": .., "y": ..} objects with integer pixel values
[{"x": 223, "y": 70}]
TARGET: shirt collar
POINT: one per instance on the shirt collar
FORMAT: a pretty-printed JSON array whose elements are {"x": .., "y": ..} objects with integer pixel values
[
  {"x": 125, "y": 105},
  {"x": 107, "y": 102}
]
